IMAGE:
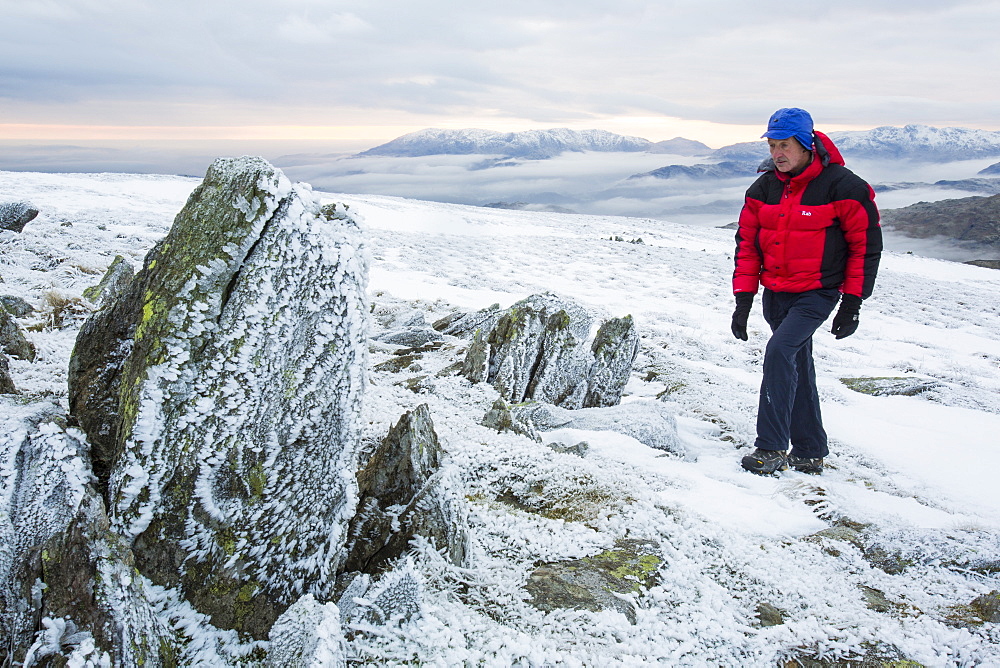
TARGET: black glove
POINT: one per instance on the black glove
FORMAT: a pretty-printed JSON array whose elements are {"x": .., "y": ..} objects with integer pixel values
[
  {"x": 744, "y": 302},
  {"x": 845, "y": 322}
]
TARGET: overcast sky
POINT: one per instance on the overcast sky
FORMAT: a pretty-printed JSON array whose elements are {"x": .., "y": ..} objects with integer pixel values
[{"x": 372, "y": 70}]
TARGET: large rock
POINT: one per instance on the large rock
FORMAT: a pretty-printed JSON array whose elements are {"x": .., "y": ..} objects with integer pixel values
[
  {"x": 15, "y": 215},
  {"x": 404, "y": 492},
  {"x": 538, "y": 350},
  {"x": 62, "y": 570},
  {"x": 226, "y": 385}
]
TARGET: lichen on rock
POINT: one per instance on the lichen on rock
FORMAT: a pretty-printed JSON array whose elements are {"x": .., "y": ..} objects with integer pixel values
[
  {"x": 112, "y": 284},
  {"x": 599, "y": 582},
  {"x": 235, "y": 393}
]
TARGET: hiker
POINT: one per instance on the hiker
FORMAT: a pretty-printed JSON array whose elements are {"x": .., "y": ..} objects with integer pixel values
[{"x": 809, "y": 234}]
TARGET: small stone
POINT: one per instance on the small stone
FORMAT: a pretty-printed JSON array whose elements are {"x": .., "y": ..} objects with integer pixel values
[
  {"x": 6, "y": 382},
  {"x": 12, "y": 339},
  {"x": 987, "y": 606},
  {"x": 770, "y": 615},
  {"x": 16, "y": 306},
  {"x": 579, "y": 449}
]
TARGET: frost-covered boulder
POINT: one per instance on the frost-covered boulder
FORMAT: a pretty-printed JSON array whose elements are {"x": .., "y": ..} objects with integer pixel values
[
  {"x": 12, "y": 339},
  {"x": 113, "y": 283},
  {"x": 227, "y": 380},
  {"x": 404, "y": 327},
  {"x": 308, "y": 634},
  {"x": 538, "y": 350},
  {"x": 614, "y": 349},
  {"x": 15, "y": 215},
  {"x": 405, "y": 492},
  {"x": 68, "y": 586}
]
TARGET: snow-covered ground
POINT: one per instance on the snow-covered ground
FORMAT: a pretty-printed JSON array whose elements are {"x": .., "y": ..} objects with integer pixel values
[{"x": 920, "y": 471}]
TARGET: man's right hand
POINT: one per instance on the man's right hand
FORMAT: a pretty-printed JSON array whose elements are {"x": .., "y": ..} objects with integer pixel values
[{"x": 744, "y": 302}]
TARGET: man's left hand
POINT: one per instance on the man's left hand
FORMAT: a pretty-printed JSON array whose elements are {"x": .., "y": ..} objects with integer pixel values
[{"x": 845, "y": 322}]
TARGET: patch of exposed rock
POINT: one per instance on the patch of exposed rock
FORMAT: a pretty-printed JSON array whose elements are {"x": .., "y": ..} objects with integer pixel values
[
  {"x": 891, "y": 386},
  {"x": 601, "y": 582}
]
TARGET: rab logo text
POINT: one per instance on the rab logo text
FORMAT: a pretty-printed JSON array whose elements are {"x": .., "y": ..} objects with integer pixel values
[{"x": 807, "y": 213}]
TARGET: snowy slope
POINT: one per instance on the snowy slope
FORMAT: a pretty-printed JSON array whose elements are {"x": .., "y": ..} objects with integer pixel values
[{"x": 920, "y": 471}]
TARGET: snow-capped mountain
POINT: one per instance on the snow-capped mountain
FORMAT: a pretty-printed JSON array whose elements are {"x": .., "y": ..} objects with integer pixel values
[
  {"x": 919, "y": 142},
  {"x": 911, "y": 142},
  {"x": 528, "y": 144}
]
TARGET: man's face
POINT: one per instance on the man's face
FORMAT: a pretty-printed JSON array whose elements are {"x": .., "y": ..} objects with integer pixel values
[{"x": 788, "y": 155}]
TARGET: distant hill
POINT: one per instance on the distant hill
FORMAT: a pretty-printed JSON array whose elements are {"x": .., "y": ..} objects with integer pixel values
[
  {"x": 534, "y": 144},
  {"x": 680, "y": 146},
  {"x": 719, "y": 170},
  {"x": 992, "y": 170},
  {"x": 970, "y": 219}
]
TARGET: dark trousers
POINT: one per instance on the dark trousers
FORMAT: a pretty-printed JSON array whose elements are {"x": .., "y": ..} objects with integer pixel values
[{"x": 789, "y": 403}]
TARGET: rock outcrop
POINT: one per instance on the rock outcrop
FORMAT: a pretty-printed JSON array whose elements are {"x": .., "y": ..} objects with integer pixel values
[
  {"x": 15, "y": 215},
  {"x": 405, "y": 492},
  {"x": 537, "y": 349},
  {"x": 222, "y": 392}
]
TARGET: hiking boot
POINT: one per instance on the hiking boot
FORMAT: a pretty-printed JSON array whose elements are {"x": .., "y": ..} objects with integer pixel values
[
  {"x": 765, "y": 461},
  {"x": 806, "y": 464}
]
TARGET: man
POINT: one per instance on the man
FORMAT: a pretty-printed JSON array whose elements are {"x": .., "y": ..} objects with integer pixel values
[{"x": 809, "y": 234}]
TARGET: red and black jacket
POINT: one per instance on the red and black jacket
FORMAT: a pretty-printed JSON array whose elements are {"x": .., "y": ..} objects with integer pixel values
[{"x": 816, "y": 230}]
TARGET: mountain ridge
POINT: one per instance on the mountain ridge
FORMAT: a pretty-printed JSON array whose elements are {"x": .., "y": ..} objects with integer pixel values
[
  {"x": 536, "y": 144},
  {"x": 914, "y": 142}
]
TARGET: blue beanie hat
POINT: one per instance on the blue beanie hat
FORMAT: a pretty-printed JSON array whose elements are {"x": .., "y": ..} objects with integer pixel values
[{"x": 791, "y": 122}]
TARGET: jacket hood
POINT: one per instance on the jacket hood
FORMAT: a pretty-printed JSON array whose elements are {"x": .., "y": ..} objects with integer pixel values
[{"x": 825, "y": 149}]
